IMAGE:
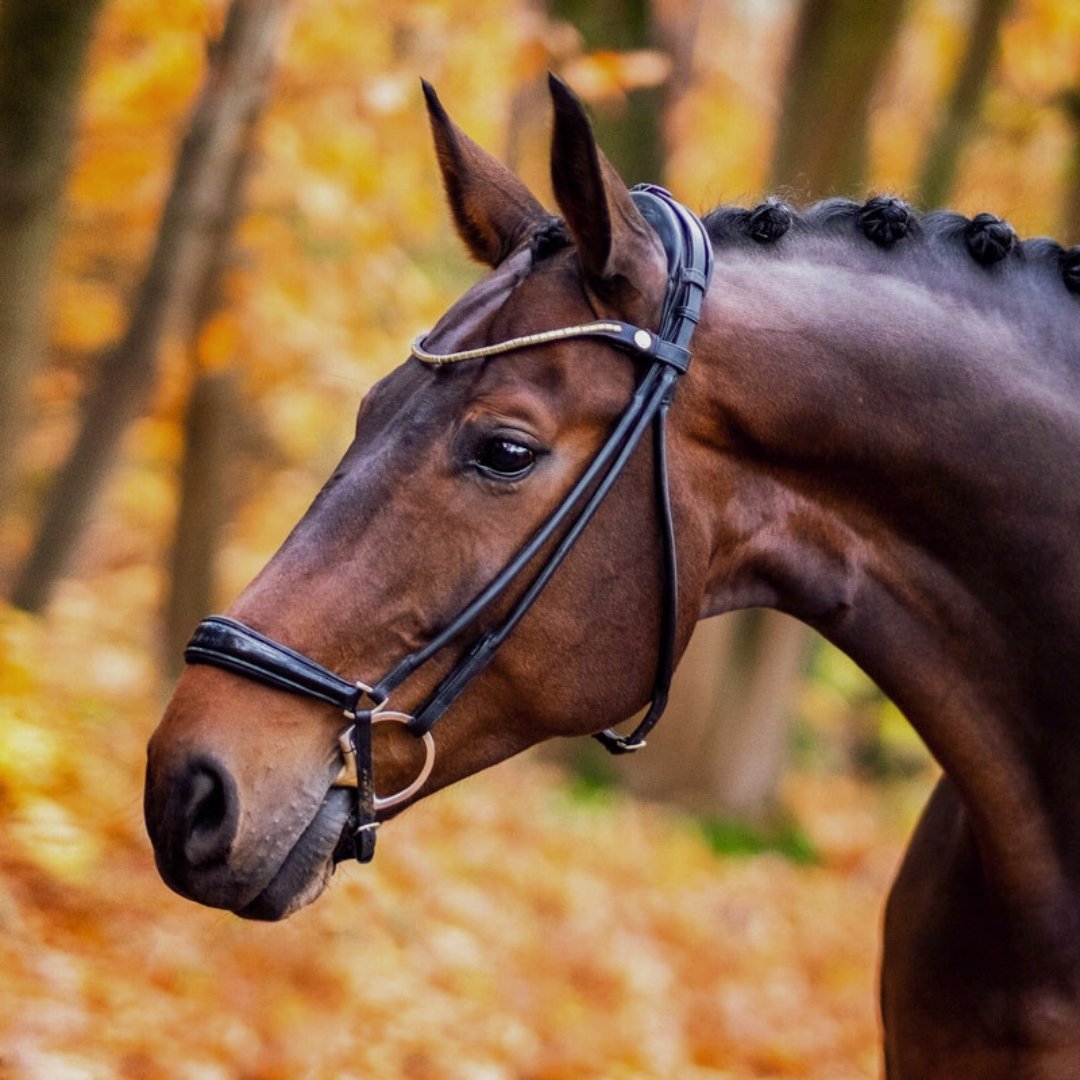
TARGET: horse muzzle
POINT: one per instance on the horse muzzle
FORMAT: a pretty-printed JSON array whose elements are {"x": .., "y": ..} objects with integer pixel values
[{"x": 260, "y": 844}]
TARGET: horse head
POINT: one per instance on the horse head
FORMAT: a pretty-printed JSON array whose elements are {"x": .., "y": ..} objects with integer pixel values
[{"x": 454, "y": 466}]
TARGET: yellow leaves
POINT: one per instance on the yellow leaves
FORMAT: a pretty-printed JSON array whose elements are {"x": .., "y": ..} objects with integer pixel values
[
  {"x": 54, "y": 839},
  {"x": 504, "y": 931},
  {"x": 35, "y": 762},
  {"x": 90, "y": 314},
  {"x": 1041, "y": 47},
  {"x": 16, "y": 660},
  {"x": 26, "y": 748}
]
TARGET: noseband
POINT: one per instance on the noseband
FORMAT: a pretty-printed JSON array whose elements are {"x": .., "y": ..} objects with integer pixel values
[{"x": 228, "y": 644}]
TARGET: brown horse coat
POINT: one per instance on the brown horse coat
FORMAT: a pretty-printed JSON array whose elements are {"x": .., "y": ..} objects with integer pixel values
[{"x": 879, "y": 435}]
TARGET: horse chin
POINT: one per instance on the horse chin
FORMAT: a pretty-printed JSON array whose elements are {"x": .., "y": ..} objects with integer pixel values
[{"x": 307, "y": 868}]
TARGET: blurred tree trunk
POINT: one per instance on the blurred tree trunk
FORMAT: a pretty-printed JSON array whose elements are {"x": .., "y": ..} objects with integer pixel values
[
  {"x": 723, "y": 745},
  {"x": 209, "y": 425},
  {"x": 630, "y": 137},
  {"x": 203, "y": 510},
  {"x": 43, "y": 47},
  {"x": 724, "y": 748},
  {"x": 838, "y": 52},
  {"x": 943, "y": 154},
  {"x": 237, "y": 79}
]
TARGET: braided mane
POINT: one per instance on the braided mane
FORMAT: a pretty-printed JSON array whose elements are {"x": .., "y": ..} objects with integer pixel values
[{"x": 886, "y": 223}]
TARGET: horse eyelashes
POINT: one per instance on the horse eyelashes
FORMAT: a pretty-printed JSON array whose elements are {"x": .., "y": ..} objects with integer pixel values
[{"x": 1070, "y": 269}]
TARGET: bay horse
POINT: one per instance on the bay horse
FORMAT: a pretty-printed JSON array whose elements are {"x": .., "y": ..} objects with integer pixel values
[{"x": 879, "y": 434}]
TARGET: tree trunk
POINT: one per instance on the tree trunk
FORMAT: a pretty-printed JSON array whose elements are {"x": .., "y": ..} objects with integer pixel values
[
  {"x": 202, "y": 512},
  {"x": 209, "y": 424},
  {"x": 838, "y": 52},
  {"x": 748, "y": 745},
  {"x": 236, "y": 82},
  {"x": 631, "y": 137},
  {"x": 943, "y": 154},
  {"x": 43, "y": 47},
  {"x": 678, "y": 766},
  {"x": 724, "y": 748},
  {"x": 724, "y": 743}
]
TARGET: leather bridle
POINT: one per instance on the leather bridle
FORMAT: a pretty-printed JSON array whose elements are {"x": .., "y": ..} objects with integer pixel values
[{"x": 228, "y": 644}]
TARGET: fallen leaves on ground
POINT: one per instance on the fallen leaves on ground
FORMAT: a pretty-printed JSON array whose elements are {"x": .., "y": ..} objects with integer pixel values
[{"x": 506, "y": 931}]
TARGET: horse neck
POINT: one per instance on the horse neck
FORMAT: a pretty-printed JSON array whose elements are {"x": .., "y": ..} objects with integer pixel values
[{"x": 893, "y": 463}]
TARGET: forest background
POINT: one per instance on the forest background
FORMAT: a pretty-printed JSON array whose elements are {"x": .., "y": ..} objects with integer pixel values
[{"x": 219, "y": 224}]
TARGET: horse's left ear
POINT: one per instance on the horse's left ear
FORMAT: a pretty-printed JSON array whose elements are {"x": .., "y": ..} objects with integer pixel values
[
  {"x": 493, "y": 210},
  {"x": 621, "y": 254}
]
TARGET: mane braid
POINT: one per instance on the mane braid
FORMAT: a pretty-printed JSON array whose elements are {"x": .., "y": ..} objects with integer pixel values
[{"x": 889, "y": 223}]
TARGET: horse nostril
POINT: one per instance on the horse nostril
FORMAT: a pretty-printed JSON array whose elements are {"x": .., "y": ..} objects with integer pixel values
[{"x": 211, "y": 813}]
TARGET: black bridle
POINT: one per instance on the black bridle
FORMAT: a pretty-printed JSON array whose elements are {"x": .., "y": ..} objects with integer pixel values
[{"x": 231, "y": 645}]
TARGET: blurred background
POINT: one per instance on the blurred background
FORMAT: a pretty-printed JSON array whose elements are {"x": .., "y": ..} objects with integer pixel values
[{"x": 219, "y": 224}]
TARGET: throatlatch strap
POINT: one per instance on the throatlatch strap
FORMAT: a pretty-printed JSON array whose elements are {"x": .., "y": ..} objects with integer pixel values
[{"x": 690, "y": 265}]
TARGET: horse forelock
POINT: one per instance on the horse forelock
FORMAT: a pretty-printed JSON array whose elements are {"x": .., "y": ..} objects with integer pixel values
[{"x": 465, "y": 323}]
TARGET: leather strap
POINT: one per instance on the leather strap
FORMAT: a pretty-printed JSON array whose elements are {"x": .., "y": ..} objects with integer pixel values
[
  {"x": 228, "y": 644},
  {"x": 690, "y": 265},
  {"x": 366, "y": 825},
  {"x": 623, "y": 335}
]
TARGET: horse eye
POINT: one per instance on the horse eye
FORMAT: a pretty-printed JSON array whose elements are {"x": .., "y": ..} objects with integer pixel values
[{"x": 504, "y": 459}]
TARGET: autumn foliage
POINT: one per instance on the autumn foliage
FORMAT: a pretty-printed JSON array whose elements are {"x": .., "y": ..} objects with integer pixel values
[
  {"x": 509, "y": 928},
  {"x": 514, "y": 928}
]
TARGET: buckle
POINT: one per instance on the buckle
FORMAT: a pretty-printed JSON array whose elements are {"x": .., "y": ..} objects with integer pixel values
[
  {"x": 614, "y": 743},
  {"x": 378, "y": 700}
]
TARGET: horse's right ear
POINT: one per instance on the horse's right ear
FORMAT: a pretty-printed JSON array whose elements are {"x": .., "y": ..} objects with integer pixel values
[{"x": 493, "y": 210}]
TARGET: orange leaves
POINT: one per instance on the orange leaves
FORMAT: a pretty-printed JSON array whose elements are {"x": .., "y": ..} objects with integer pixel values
[
  {"x": 606, "y": 75},
  {"x": 218, "y": 343},
  {"x": 1040, "y": 54},
  {"x": 91, "y": 315},
  {"x": 505, "y": 930}
]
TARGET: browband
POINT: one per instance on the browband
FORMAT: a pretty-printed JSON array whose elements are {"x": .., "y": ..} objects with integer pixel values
[{"x": 624, "y": 335}]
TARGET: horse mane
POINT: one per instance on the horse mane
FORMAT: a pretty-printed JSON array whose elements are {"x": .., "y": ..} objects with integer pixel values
[
  {"x": 885, "y": 221},
  {"x": 888, "y": 223}
]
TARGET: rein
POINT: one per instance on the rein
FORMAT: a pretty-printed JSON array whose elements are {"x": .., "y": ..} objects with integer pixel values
[{"x": 226, "y": 643}]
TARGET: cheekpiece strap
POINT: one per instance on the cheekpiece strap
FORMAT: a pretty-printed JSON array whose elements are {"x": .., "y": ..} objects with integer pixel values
[{"x": 366, "y": 825}]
